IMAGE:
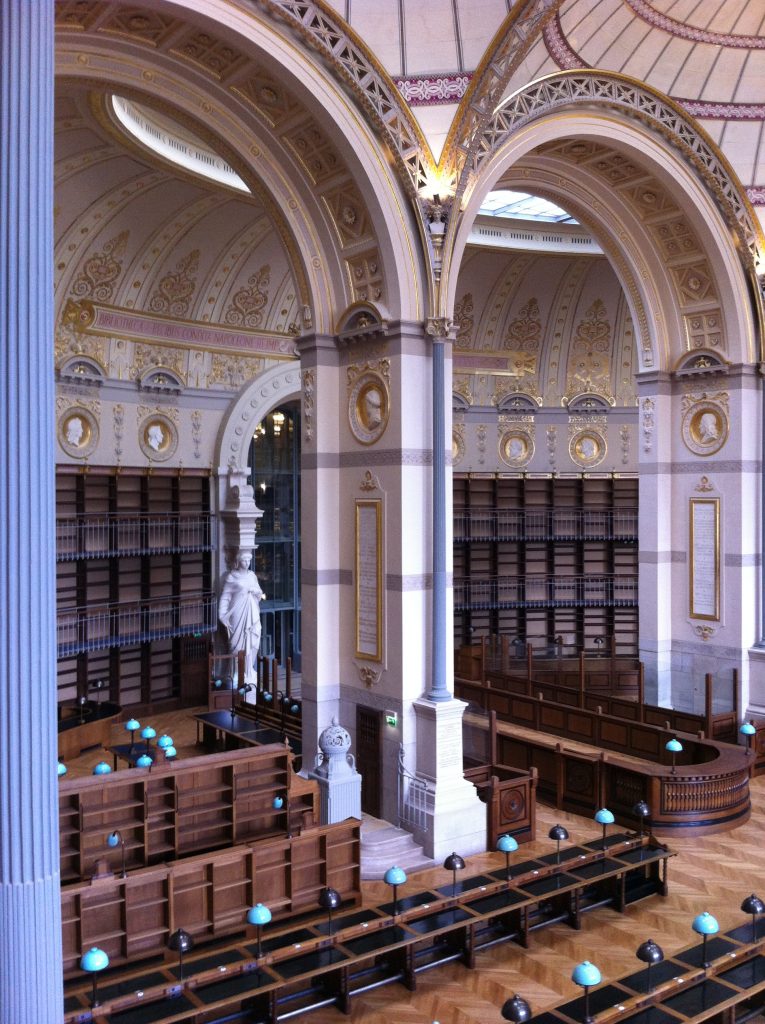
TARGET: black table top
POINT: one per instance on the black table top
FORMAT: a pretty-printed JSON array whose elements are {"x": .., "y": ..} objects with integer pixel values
[{"x": 230, "y": 971}]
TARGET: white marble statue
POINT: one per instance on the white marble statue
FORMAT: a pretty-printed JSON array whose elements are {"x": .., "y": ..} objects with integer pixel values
[{"x": 239, "y": 612}]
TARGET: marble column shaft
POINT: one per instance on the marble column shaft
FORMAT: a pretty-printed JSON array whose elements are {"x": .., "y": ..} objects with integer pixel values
[{"x": 30, "y": 904}]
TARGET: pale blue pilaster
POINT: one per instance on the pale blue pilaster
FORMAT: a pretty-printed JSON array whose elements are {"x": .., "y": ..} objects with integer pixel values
[
  {"x": 438, "y": 688},
  {"x": 30, "y": 909}
]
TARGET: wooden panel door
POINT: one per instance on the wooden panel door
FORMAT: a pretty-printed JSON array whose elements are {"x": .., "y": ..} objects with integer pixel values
[{"x": 369, "y": 758}]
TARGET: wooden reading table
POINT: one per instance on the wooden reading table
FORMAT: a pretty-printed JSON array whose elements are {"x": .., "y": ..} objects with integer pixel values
[
  {"x": 236, "y": 731},
  {"x": 303, "y": 967}
]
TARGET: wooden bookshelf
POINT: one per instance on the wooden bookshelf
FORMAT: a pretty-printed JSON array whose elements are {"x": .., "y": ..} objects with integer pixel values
[
  {"x": 208, "y": 895},
  {"x": 179, "y": 809}
]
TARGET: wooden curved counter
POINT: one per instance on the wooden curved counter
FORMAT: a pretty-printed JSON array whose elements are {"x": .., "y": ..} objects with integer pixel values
[
  {"x": 586, "y": 760},
  {"x": 80, "y": 728}
]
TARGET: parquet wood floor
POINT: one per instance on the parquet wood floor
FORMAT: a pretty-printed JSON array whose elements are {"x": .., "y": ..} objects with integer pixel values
[{"x": 711, "y": 873}]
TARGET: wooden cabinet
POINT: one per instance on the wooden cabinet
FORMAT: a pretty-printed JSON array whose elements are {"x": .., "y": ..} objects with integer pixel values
[
  {"x": 178, "y": 809},
  {"x": 208, "y": 895}
]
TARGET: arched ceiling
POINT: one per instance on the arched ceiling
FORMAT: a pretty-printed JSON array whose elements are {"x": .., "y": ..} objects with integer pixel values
[
  {"x": 709, "y": 57},
  {"x": 133, "y": 232},
  {"x": 551, "y": 327}
]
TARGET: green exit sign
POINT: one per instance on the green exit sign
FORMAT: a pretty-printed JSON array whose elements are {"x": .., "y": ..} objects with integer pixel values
[{"x": 391, "y": 718}]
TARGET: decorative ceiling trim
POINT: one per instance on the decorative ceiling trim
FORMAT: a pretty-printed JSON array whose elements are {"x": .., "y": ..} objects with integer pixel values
[
  {"x": 503, "y": 57},
  {"x": 573, "y": 89},
  {"x": 655, "y": 19},
  {"x": 430, "y": 90},
  {"x": 350, "y": 60},
  {"x": 568, "y": 59}
]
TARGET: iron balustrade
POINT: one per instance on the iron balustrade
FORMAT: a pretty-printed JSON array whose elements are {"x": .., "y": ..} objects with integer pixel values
[
  {"x": 605, "y": 590},
  {"x": 539, "y": 524},
  {"x": 102, "y": 535},
  {"x": 412, "y": 798},
  {"x": 97, "y": 626}
]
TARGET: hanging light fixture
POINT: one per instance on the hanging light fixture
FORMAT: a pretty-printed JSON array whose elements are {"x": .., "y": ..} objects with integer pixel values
[{"x": 278, "y": 419}]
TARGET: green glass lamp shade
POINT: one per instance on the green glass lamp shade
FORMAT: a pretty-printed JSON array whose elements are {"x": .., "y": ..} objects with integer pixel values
[
  {"x": 516, "y": 1009},
  {"x": 278, "y": 802},
  {"x": 586, "y": 974},
  {"x": 674, "y": 746},
  {"x": 94, "y": 960},
  {"x": 258, "y": 915},
  {"x": 102, "y": 768},
  {"x": 641, "y": 809},
  {"x": 164, "y": 742},
  {"x": 604, "y": 816},
  {"x": 747, "y": 729},
  {"x": 218, "y": 683},
  {"x": 394, "y": 876},
  {"x": 61, "y": 769},
  {"x": 507, "y": 844},
  {"x": 705, "y": 924},
  {"x": 148, "y": 732},
  {"x": 294, "y": 709},
  {"x": 649, "y": 952},
  {"x": 268, "y": 697},
  {"x": 558, "y": 833},
  {"x": 144, "y": 761},
  {"x": 170, "y": 752},
  {"x": 132, "y": 725},
  {"x": 113, "y": 839}
]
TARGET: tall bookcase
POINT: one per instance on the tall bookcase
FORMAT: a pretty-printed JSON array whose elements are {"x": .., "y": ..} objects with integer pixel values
[
  {"x": 134, "y": 585},
  {"x": 541, "y": 558}
]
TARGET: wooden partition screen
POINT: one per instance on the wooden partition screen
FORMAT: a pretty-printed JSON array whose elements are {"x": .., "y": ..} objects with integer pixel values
[
  {"x": 208, "y": 896},
  {"x": 181, "y": 808}
]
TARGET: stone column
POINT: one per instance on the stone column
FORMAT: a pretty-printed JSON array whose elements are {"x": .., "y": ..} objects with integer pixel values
[
  {"x": 456, "y": 818},
  {"x": 322, "y": 579},
  {"x": 655, "y": 534},
  {"x": 30, "y": 904}
]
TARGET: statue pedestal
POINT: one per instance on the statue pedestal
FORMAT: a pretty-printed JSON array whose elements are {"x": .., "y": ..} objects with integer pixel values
[
  {"x": 456, "y": 818},
  {"x": 335, "y": 771}
]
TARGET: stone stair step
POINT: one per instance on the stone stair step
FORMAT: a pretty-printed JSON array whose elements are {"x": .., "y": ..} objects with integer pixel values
[{"x": 383, "y": 845}]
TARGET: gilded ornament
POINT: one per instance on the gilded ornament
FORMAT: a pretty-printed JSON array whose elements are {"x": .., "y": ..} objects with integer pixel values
[
  {"x": 587, "y": 448},
  {"x": 158, "y": 437},
  {"x": 705, "y": 422},
  {"x": 516, "y": 448}
]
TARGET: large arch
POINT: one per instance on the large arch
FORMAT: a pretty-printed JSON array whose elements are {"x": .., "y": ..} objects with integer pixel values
[
  {"x": 607, "y": 211},
  {"x": 145, "y": 52},
  {"x": 678, "y": 231}
]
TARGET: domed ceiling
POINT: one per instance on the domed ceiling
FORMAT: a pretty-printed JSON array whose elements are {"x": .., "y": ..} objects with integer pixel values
[
  {"x": 709, "y": 57},
  {"x": 133, "y": 231}
]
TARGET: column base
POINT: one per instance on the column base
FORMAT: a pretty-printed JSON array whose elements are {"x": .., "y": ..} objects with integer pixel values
[{"x": 455, "y": 817}]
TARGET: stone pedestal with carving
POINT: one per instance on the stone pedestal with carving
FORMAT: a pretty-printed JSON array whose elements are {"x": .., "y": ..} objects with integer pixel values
[
  {"x": 335, "y": 771},
  {"x": 456, "y": 818}
]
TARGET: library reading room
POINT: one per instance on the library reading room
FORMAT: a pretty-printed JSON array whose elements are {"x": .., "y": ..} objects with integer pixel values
[{"x": 382, "y": 512}]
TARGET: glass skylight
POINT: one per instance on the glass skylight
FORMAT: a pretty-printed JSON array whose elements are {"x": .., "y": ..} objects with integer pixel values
[
  {"x": 174, "y": 143},
  {"x": 520, "y": 205}
]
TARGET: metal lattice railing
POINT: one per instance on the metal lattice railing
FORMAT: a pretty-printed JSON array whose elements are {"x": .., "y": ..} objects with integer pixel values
[
  {"x": 98, "y": 535},
  {"x": 479, "y": 524},
  {"x": 121, "y": 624},
  {"x": 548, "y": 591},
  {"x": 412, "y": 798}
]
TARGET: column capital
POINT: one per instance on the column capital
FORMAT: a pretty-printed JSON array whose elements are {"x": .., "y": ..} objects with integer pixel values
[{"x": 440, "y": 328}]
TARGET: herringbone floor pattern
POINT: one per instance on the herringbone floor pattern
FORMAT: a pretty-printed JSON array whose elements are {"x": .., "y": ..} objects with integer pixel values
[{"x": 711, "y": 873}]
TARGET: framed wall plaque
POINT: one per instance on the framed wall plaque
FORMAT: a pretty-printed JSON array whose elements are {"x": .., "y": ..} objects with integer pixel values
[
  {"x": 704, "y": 582},
  {"x": 369, "y": 579}
]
